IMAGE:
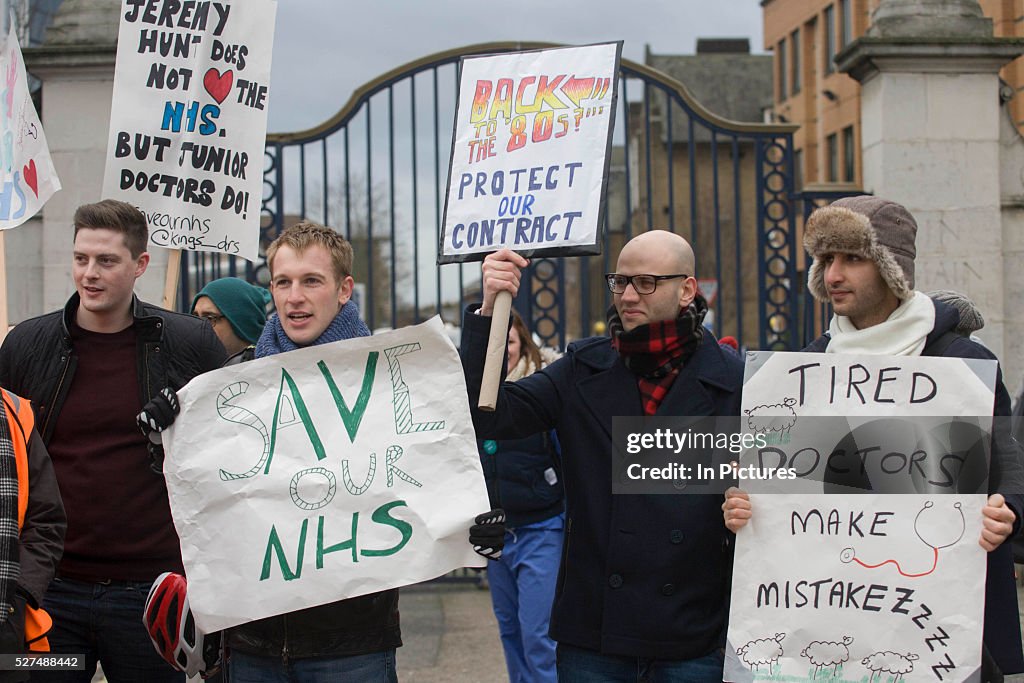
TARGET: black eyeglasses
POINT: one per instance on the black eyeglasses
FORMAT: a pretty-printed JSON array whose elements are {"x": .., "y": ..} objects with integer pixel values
[
  {"x": 212, "y": 318},
  {"x": 643, "y": 284}
]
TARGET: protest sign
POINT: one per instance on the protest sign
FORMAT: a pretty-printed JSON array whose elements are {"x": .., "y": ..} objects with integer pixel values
[
  {"x": 530, "y": 153},
  {"x": 851, "y": 588},
  {"x": 29, "y": 176},
  {"x": 872, "y": 585},
  {"x": 188, "y": 120},
  {"x": 823, "y": 413},
  {"x": 324, "y": 473}
]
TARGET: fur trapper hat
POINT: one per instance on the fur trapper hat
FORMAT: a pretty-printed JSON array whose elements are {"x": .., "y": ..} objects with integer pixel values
[{"x": 871, "y": 227}]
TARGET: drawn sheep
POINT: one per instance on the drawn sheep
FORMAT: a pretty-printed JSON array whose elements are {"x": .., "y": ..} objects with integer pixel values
[
  {"x": 777, "y": 417},
  {"x": 824, "y": 653},
  {"x": 762, "y": 651},
  {"x": 889, "y": 662}
]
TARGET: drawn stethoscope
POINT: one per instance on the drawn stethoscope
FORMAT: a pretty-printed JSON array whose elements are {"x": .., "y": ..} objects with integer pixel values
[{"x": 850, "y": 555}]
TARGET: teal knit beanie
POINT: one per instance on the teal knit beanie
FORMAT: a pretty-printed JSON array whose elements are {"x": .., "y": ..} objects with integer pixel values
[{"x": 243, "y": 304}]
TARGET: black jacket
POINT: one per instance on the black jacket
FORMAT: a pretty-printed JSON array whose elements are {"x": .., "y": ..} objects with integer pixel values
[
  {"x": 355, "y": 626},
  {"x": 38, "y": 362},
  {"x": 641, "y": 575},
  {"x": 524, "y": 478},
  {"x": 1002, "y": 625}
]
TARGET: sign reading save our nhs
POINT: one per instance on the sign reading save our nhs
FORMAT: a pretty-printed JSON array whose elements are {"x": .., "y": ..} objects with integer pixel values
[
  {"x": 324, "y": 473},
  {"x": 530, "y": 153}
]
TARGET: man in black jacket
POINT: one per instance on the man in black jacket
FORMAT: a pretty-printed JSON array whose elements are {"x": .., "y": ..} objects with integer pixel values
[
  {"x": 643, "y": 587},
  {"x": 863, "y": 249},
  {"x": 88, "y": 369}
]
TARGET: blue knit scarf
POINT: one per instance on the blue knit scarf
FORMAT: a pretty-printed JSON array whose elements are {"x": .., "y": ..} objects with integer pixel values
[{"x": 346, "y": 325}]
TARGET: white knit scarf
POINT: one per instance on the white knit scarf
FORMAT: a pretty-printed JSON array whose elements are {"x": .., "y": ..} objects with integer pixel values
[{"x": 902, "y": 334}]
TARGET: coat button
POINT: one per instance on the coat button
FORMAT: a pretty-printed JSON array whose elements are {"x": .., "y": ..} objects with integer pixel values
[
  {"x": 676, "y": 536},
  {"x": 668, "y": 589},
  {"x": 614, "y": 580}
]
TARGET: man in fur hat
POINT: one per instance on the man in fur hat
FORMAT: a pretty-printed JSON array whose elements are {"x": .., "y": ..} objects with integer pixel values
[{"x": 863, "y": 249}]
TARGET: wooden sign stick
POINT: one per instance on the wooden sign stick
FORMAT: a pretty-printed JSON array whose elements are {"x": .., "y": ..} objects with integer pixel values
[
  {"x": 3, "y": 287},
  {"x": 497, "y": 348},
  {"x": 171, "y": 282}
]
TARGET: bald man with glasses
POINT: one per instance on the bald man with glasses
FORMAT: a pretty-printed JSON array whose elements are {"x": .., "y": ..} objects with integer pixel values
[{"x": 644, "y": 582}]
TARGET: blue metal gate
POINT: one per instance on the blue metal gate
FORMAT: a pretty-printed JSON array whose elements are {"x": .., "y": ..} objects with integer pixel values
[{"x": 377, "y": 170}]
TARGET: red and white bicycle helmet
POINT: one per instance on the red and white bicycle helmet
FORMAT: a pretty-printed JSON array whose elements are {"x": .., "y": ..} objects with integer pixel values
[{"x": 173, "y": 630}]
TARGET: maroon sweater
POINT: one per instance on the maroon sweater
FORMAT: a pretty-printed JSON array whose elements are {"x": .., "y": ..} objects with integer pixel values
[{"x": 119, "y": 521}]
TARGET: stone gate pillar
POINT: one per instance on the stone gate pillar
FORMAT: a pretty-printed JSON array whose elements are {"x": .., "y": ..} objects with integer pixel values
[{"x": 930, "y": 122}]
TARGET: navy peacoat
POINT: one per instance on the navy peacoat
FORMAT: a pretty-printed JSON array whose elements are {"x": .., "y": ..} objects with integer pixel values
[{"x": 641, "y": 575}]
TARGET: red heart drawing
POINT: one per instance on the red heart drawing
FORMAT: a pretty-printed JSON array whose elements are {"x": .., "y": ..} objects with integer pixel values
[
  {"x": 217, "y": 84},
  {"x": 29, "y": 172}
]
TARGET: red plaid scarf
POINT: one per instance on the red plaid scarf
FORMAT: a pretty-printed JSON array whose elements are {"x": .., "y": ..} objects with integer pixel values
[{"x": 655, "y": 352}]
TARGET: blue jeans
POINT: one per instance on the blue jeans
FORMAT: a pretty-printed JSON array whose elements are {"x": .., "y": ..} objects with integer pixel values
[
  {"x": 522, "y": 590},
  {"x": 378, "y": 667},
  {"x": 103, "y": 622},
  {"x": 576, "y": 665}
]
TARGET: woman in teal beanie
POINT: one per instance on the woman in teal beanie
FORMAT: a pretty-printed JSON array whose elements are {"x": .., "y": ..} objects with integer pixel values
[{"x": 237, "y": 310}]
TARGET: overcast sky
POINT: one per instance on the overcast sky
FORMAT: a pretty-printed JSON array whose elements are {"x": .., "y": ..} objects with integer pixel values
[{"x": 325, "y": 49}]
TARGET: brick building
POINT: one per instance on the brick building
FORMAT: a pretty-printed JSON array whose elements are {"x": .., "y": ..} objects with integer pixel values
[{"x": 804, "y": 36}]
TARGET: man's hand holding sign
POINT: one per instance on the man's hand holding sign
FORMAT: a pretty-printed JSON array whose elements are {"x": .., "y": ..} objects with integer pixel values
[{"x": 501, "y": 277}]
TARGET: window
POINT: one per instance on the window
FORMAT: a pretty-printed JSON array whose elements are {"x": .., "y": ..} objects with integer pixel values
[
  {"x": 845, "y": 22},
  {"x": 783, "y": 87},
  {"x": 832, "y": 149},
  {"x": 830, "y": 39},
  {"x": 794, "y": 40},
  {"x": 848, "y": 154}
]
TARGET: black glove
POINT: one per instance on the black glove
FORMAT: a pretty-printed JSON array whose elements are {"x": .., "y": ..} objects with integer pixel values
[
  {"x": 158, "y": 414},
  {"x": 156, "y": 456},
  {"x": 488, "y": 534}
]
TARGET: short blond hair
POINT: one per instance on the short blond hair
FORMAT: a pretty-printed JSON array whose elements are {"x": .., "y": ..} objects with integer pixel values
[{"x": 306, "y": 234}]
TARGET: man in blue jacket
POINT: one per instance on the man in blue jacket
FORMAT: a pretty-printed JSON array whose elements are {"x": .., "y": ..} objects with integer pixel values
[
  {"x": 643, "y": 586},
  {"x": 863, "y": 249}
]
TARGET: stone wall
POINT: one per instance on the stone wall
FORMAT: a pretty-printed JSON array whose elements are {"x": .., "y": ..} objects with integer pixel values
[{"x": 1011, "y": 189}]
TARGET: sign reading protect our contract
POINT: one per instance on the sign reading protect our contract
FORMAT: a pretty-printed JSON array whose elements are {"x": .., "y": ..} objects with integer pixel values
[
  {"x": 530, "y": 153},
  {"x": 188, "y": 120}
]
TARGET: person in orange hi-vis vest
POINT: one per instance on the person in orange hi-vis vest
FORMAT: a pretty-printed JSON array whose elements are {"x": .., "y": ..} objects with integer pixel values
[{"x": 30, "y": 548}]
